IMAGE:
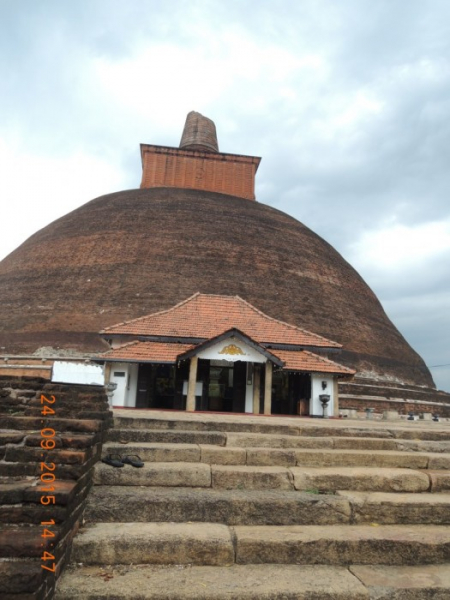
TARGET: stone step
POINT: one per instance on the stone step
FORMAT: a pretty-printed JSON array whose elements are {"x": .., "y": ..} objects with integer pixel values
[
  {"x": 360, "y": 479},
  {"x": 232, "y": 477},
  {"x": 154, "y": 543},
  {"x": 153, "y": 452},
  {"x": 227, "y": 455},
  {"x": 385, "y": 508},
  {"x": 217, "y": 544},
  {"x": 293, "y": 426},
  {"x": 172, "y": 474},
  {"x": 271, "y": 507},
  {"x": 361, "y": 443},
  {"x": 258, "y": 440},
  {"x": 215, "y": 424},
  {"x": 424, "y": 582},
  {"x": 251, "y": 478},
  {"x": 325, "y": 479},
  {"x": 168, "y": 437},
  {"x": 237, "y": 582},
  {"x": 343, "y": 544},
  {"x": 440, "y": 481},
  {"x": 346, "y": 458},
  {"x": 231, "y": 507}
]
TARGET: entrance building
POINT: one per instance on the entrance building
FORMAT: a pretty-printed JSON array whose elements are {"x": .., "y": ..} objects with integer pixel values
[{"x": 220, "y": 353}]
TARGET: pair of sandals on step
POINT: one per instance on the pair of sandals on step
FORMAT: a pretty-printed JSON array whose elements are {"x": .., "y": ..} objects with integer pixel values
[{"x": 115, "y": 460}]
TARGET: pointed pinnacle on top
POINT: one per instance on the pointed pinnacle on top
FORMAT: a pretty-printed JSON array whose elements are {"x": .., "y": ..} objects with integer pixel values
[{"x": 199, "y": 133}]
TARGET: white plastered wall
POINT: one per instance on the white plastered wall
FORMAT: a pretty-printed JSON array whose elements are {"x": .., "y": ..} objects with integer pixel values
[
  {"x": 125, "y": 393},
  {"x": 315, "y": 407}
]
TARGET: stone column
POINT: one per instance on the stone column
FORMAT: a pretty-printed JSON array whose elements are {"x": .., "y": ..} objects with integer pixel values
[
  {"x": 268, "y": 389},
  {"x": 256, "y": 388},
  {"x": 336, "y": 396},
  {"x": 190, "y": 402}
]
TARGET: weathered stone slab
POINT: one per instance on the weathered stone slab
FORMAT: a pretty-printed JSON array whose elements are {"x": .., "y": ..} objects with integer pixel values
[
  {"x": 11, "y": 437},
  {"x": 426, "y": 416},
  {"x": 217, "y": 455},
  {"x": 271, "y": 457},
  {"x": 250, "y": 478},
  {"x": 197, "y": 422},
  {"x": 19, "y": 470},
  {"x": 359, "y": 479},
  {"x": 255, "y": 440},
  {"x": 21, "y": 542},
  {"x": 390, "y": 415},
  {"x": 420, "y": 434},
  {"x": 342, "y": 544},
  {"x": 147, "y": 423},
  {"x": 238, "y": 582},
  {"x": 360, "y": 458},
  {"x": 156, "y": 452},
  {"x": 439, "y": 462},
  {"x": 387, "y": 508},
  {"x": 345, "y": 431},
  {"x": 19, "y": 577},
  {"x": 232, "y": 507},
  {"x": 349, "y": 443},
  {"x": 21, "y": 423},
  {"x": 12, "y": 493},
  {"x": 423, "y": 446},
  {"x": 64, "y": 492},
  {"x": 155, "y": 474},
  {"x": 154, "y": 543},
  {"x": 76, "y": 425},
  {"x": 440, "y": 481},
  {"x": 405, "y": 582},
  {"x": 168, "y": 437}
]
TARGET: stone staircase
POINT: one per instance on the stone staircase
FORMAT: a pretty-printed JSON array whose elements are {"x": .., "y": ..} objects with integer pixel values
[{"x": 258, "y": 508}]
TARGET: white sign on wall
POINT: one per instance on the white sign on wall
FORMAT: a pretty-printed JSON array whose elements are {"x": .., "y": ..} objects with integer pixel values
[{"x": 81, "y": 373}]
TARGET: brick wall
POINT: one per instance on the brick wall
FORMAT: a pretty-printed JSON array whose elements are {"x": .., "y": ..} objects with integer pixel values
[
  {"x": 68, "y": 443},
  {"x": 193, "y": 169},
  {"x": 383, "y": 395}
]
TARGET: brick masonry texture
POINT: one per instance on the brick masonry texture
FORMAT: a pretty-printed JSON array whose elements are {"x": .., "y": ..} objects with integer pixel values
[
  {"x": 132, "y": 253},
  {"x": 381, "y": 396},
  {"x": 224, "y": 173},
  {"x": 82, "y": 418},
  {"x": 85, "y": 272},
  {"x": 199, "y": 132}
]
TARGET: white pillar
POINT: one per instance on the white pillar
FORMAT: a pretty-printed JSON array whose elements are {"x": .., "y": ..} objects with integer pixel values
[
  {"x": 256, "y": 388},
  {"x": 190, "y": 402},
  {"x": 268, "y": 389},
  {"x": 336, "y": 397}
]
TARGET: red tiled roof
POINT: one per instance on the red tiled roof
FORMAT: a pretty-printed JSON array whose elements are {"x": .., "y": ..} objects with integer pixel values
[
  {"x": 205, "y": 316},
  {"x": 302, "y": 360},
  {"x": 294, "y": 360},
  {"x": 147, "y": 352}
]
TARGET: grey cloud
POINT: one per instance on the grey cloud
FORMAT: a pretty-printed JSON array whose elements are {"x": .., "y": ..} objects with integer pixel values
[{"x": 394, "y": 164}]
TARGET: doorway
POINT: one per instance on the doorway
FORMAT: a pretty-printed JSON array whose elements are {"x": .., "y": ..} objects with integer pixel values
[
  {"x": 291, "y": 393},
  {"x": 224, "y": 386},
  {"x": 155, "y": 386}
]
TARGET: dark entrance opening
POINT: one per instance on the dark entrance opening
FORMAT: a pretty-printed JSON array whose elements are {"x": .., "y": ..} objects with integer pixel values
[
  {"x": 291, "y": 393},
  {"x": 224, "y": 386},
  {"x": 156, "y": 386}
]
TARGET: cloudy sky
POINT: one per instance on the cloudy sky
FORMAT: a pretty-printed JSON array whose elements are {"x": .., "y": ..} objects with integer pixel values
[{"x": 347, "y": 102}]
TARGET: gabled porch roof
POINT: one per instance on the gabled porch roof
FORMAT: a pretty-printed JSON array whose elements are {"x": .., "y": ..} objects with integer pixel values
[
  {"x": 171, "y": 353},
  {"x": 204, "y": 316}
]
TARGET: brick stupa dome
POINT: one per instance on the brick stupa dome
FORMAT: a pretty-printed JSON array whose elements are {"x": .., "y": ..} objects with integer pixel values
[{"x": 134, "y": 252}]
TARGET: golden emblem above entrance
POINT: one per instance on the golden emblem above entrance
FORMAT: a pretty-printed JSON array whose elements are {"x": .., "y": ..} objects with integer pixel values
[{"x": 232, "y": 349}]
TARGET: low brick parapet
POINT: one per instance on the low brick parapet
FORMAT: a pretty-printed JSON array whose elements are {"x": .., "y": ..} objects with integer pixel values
[{"x": 67, "y": 437}]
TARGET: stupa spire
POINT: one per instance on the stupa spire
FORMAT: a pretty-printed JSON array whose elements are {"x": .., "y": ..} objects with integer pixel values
[{"x": 199, "y": 133}]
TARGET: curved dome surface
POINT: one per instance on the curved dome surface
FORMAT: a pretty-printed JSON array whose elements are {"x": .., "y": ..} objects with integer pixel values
[{"x": 135, "y": 252}]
